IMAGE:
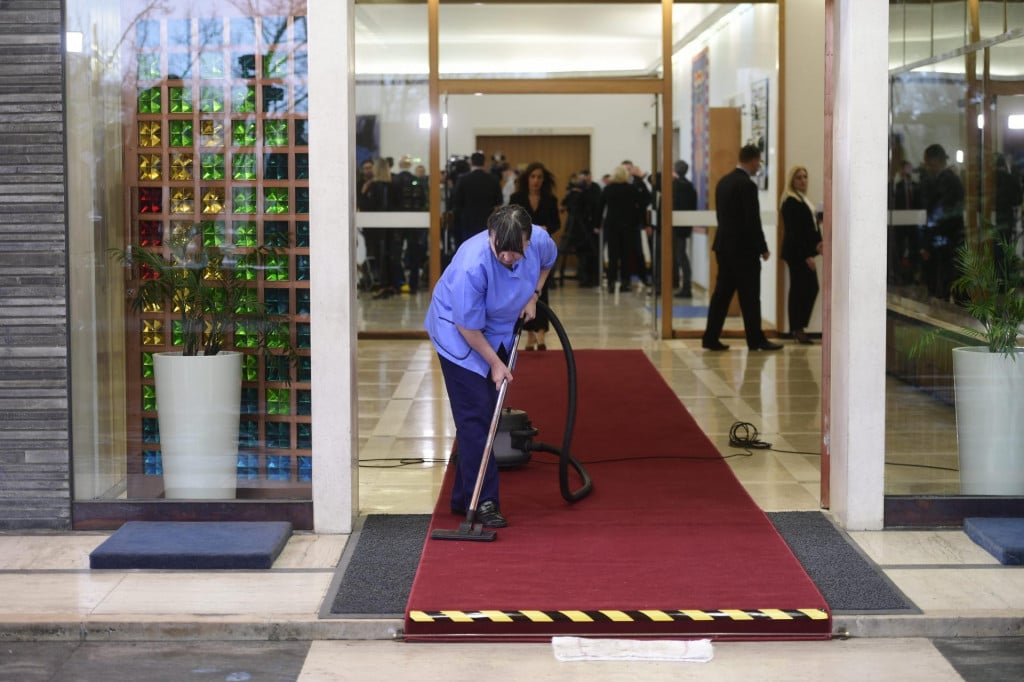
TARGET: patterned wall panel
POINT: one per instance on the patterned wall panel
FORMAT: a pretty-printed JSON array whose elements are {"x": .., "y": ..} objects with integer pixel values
[{"x": 34, "y": 418}]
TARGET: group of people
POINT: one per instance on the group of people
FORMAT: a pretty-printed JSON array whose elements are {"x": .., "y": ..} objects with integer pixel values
[
  {"x": 394, "y": 256},
  {"x": 924, "y": 253}
]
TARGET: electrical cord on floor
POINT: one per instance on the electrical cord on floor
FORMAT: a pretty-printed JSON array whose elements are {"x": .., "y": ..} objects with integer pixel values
[
  {"x": 398, "y": 462},
  {"x": 744, "y": 435}
]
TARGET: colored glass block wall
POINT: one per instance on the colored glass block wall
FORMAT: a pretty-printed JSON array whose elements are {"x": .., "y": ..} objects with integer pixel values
[{"x": 219, "y": 144}]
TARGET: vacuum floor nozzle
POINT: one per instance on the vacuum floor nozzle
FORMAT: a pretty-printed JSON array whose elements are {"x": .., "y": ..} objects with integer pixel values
[{"x": 467, "y": 531}]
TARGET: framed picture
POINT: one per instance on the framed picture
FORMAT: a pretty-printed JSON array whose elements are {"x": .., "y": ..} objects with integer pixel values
[{"x": 759, "y": 127}]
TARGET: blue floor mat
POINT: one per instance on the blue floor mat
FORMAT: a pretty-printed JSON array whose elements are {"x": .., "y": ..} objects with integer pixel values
[
  {"x": 1003, "y": 538},
  {"x": 192, "y": 545}
]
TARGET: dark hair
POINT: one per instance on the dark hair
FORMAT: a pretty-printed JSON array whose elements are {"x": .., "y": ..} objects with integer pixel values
[
  {"x": 477, "y": 159},
  {"x": 510, "y": 226},
  {"x": 936, "y": 152},
  {"x": 749, "y": 152},
  {"x": 681, "y": 168},
  {"x": 547, "y": 187}
]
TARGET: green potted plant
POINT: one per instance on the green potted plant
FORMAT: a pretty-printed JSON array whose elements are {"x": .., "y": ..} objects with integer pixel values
[
  {"x": 198, "y": 388},
  {"x": 989, "y": 378}
]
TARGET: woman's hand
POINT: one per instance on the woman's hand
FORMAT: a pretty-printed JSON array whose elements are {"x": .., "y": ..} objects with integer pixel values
[
  {"x": 811, "y": 265},
  {"x": 530, "y": 311},
  {"x": 499, "y": 373}
]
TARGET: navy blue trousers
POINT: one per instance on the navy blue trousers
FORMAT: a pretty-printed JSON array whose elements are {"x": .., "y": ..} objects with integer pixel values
[{"x": 473, "y": 399}]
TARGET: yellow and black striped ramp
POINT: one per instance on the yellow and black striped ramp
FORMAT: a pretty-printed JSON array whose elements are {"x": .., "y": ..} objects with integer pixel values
[{"x": 502, "y": 623}]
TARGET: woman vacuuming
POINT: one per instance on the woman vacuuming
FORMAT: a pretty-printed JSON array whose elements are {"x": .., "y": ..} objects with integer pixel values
[{"x": 493, "y": 279}]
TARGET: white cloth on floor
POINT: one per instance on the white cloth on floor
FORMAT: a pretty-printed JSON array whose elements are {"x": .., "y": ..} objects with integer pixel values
[{"x": 587, "y": 649}]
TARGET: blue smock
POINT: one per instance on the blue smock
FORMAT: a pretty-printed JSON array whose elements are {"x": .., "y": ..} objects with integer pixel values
[{"x": 476, "y": 291}]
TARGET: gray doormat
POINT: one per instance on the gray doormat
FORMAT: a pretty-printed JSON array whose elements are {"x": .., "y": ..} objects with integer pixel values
[
  {"x": 848, "y": 579},
  {"x": 376, "y": 571}
]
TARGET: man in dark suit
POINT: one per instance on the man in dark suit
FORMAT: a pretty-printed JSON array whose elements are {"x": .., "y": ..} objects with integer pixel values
[
  {"x": 476, "y": 194},
  {"x": 738, "y": 246},
  {"x": 684, "y": 198}
]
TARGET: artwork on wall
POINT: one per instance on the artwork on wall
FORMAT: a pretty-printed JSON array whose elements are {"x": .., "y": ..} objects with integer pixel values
[
  {"x": 759, "y": 127},
  {"x": 700, "y": 142}
]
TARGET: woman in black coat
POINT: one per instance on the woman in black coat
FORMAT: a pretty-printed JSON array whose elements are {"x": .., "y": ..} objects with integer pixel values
[
  {"x": 535, "y": 191},
  {"x": 801, "y": 243},
  {"x": 620, "y": 206}
]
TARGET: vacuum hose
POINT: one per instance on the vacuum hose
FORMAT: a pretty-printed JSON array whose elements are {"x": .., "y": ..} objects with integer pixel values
[{"x": 565, "y": 459}]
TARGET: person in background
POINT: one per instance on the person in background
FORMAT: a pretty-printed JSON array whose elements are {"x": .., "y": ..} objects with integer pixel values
[
  {"x": 801, "y": 244},
  {"x": 684, "y": 198},
  {"x": 535, "y": 192},
  {"x": 409, "y": 244},
  {"x": 739, "y": 248},
  {"x": 944, "y": 230},
  {"x": 378, "y": 194},
  {"x": 476, "y": 194},
  {"x": 494, "y": 279},
  {"x": 619, "y": 205},
  {"x": 643, "y": 228}
]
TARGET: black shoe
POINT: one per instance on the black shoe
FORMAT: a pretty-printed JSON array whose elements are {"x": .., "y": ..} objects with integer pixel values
[
  {"x": 768, "y": 345},
  {"x": 802, "y": 338},
  {"x": 684, "y": 294},
  {"x": 715, "y": 345},
  {"x": 489, "y": 516}
]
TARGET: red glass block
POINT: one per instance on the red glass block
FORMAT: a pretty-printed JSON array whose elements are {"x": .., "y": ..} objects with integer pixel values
[
  {"x": 147, "y": 272},
  {"x": 151, "y": 233},
  {"x": 150, "y": 199}
]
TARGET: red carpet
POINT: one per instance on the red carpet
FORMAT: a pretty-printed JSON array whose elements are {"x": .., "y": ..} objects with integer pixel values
[{"x": 662, "y": 547}]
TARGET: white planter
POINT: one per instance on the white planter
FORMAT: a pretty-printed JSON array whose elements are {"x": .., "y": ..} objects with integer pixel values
[
  {"x": 989, "y": 421},
  {"x": 198, "y": 400}
]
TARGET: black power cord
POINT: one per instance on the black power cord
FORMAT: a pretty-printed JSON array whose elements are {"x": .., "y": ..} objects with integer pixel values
[{"x": 744, "y": 435}]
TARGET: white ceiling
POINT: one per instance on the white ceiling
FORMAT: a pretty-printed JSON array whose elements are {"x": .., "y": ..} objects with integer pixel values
[{"x": 522, "y": 39}]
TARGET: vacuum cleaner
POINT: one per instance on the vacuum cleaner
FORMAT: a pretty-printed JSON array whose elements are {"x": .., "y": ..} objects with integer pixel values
[{"x": 512, "y": 449}]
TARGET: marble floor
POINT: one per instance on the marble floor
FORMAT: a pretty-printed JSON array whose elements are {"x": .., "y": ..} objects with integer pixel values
[{"x": 405, "y": 437}]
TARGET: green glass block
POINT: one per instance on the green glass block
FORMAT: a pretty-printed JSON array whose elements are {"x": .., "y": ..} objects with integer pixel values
[
  {"x": 147, "y": 366},
  {"x": 302, "y": 233},
  {"x": 275, "y": 65},
  {"x": 148, "y": 398},
  {"x": 275, "y": 200},
  {"x": 245, "y": 271},
  {"x": 149, "y": 101},
  {"x": 304, "y": 436},
  {"x": 214, "y": 233},
  {"x": 276, "y": 301},
  {"x": 276, "y": 268},
  {"x": 275, "y": 133},
  {"x": 277, "y": 368},
  {"x": 302, "y": 166},
  {"x": 247, "y": 302},
  {"x": 243, "y": 99},
  {"x": 244, "y": 233},
  {"x": 149, "y": 67},
  {"x": 212, "y": 166},
  {"x": 181, "y": 134},
  {"x": 181, "y": 99},
  {"x": 302, "y": 336},
  {"x": 250, "y": 401},
  {"x": 248, "y": 434},
  {"x": 250, "y": 368},
  {"x": 279, "y": 401},
  {"x": 279, "y": 435},
  {"x": 177, "y": 337},
  {"x": 211, "y": 65},
  {"x": 217, "y": 298},
  {"x": 302, "y": 299},
  {"x": 243, "y": 200},
  {"x": 150, "y": 430},
  {"x": 245, "y": 337},
  {"x": 243, "y": 132},
  {"x": 303, "y": 402},
  {"x": 211, "y": 99},
  {"x": 302, "y": 268},
  {"x": 305, "y": 370},
  {"x": 243, "y": 166},
  {"x": 278, "y": 338},
  {"x": 302, "y": 200},
  {"x": 275, "y": 167}
]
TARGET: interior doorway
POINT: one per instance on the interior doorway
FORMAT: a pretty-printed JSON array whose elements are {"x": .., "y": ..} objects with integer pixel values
[{"x": 563, "y": 155}]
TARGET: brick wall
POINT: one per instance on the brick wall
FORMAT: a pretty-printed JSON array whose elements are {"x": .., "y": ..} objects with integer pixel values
[{"x": 34, "y": 416}]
